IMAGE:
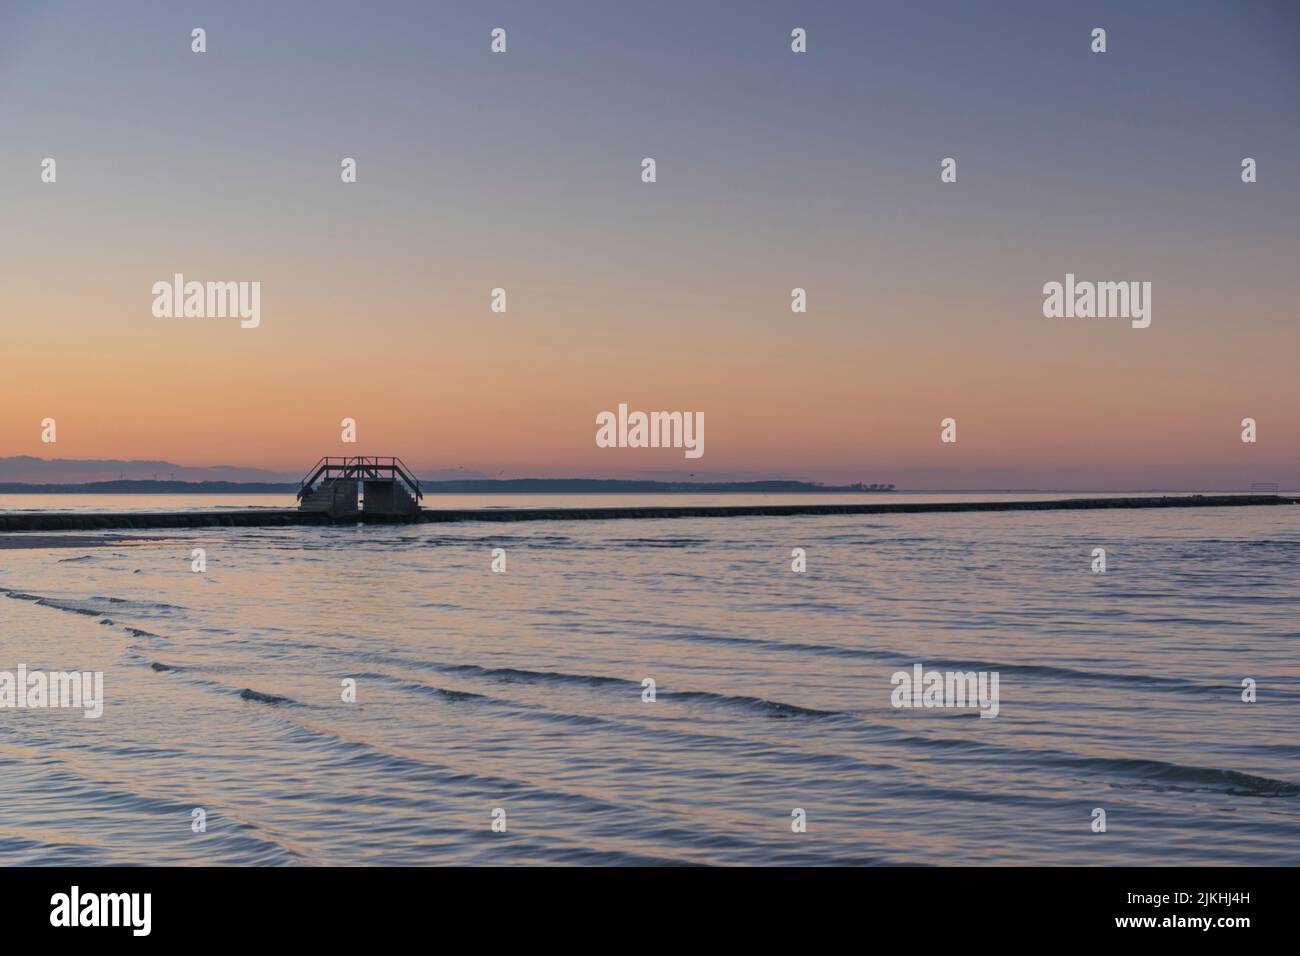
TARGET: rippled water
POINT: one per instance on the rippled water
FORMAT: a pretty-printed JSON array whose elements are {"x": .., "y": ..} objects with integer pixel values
[{"x": 523, "y": 691}]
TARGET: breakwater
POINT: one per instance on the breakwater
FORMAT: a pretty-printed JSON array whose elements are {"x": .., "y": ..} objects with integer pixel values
[{"x": 270, "y": 518}]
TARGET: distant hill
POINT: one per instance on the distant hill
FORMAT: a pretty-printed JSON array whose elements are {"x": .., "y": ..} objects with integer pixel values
[
  {"x": 632, "y": 486},
  {"x": 466, "y": 486},
  {"x": 27, "y": 470},
  {"x": 129, "y": 487},
  {"x": 25, "y": 474}
]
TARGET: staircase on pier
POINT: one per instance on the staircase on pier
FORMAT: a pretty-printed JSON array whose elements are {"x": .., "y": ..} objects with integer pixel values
[{"x": 343, "y": 487}]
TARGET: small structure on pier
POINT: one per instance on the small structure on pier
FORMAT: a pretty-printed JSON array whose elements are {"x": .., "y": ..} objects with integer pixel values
[{"x": 344, "y": 487}]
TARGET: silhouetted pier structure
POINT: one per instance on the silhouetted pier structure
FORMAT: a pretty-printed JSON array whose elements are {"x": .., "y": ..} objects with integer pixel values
[{"x": 342, "y": 487}]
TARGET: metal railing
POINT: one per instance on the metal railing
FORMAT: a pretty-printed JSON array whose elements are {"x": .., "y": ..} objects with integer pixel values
[{"x": 360, "y": 468}]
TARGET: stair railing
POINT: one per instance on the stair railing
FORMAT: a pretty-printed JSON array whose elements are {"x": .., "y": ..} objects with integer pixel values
[{"x": 360, "y": 468}]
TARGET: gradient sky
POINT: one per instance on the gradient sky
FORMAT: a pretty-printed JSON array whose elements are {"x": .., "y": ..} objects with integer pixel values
[{"x": 775, "y": 170}]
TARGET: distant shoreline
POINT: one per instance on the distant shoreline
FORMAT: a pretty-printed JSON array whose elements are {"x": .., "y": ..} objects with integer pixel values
[{"x": 467, "y": 486}]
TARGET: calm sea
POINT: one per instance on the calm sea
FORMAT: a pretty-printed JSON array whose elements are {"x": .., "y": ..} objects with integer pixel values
[{"x": 522, "y": 691}]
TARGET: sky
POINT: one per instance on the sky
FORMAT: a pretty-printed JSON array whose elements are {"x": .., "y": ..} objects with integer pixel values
[{"x": 775, "y": 170}]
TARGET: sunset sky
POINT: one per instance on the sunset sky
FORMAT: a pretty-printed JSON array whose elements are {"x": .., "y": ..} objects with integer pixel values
[{"x": 775, "y": 170}]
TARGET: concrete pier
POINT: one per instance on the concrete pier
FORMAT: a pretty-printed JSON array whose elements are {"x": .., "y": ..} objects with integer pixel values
[
  {"x": 388, "y": 489},
  {"x": 272, "y": 518}
]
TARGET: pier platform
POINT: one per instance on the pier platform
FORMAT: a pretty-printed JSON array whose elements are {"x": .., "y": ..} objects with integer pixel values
[{"x": 345, "y": 487}]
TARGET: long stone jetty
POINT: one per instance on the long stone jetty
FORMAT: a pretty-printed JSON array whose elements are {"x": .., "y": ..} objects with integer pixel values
[{"x": 274, "y": 518}]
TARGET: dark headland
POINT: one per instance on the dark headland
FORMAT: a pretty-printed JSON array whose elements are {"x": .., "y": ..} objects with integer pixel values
[{"x": 269, "y": 517}]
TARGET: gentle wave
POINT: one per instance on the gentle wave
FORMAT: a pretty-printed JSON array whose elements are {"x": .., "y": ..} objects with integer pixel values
[{"x": 523, "y": 691}]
